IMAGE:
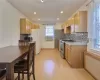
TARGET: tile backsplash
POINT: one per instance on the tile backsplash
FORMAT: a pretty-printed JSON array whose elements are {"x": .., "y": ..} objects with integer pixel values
[{"x": 82, "y": 36}]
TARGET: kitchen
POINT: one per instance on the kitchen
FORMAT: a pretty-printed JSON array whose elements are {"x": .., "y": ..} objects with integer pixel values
[
  {"x": 66, "y": 40},
  {"x": 75, "y": 42}
]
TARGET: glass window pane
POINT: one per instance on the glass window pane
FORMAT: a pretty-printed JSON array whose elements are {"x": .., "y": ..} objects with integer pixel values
[
  {"x": 49, "y": 31},
  {"x": 97, "y": 26}
]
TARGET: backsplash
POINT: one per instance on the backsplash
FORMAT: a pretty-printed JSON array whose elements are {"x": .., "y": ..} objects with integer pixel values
[{"x": 82, "y": 36}]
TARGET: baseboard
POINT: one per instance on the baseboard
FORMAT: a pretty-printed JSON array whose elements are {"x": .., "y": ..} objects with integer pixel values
[
  {"x": 90, "y": 74},
  {"x": 48, "y": 48}
]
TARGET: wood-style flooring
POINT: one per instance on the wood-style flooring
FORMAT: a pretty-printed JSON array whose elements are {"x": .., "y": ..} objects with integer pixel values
[{"x": 50, "y": 66}]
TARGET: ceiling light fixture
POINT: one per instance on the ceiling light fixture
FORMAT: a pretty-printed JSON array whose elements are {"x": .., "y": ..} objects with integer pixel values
[
  {"x": 42, "y": 1},
  {"x": 39, "y": 19},
  {"x": 61, "y": 12},
  {"x": 34, "y": 12},
  {"x": 57, "y": 18}
]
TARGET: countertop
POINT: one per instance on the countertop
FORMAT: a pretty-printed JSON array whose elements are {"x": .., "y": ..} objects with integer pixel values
[{"x": 76, "y": 43}]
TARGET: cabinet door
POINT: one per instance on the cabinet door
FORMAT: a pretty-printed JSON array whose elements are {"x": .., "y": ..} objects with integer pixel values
[
  {"x": 77, "y": 22},
  {"x": 83, "y": 21},
  {"x": 27, "y": 27},
  {"x": 33, "y": 26},
  {"x": 30, "y": 27},
  {"x": 69, "y": 54},
  {"x": 23, "y": 26},
  {"x": 72, "y": 25},
  {"x": 77, "y": 19},
  {"x": 68, "y": 29},
  {"x": 66, "y": 52},
  {"x": 65, "y": 30}
]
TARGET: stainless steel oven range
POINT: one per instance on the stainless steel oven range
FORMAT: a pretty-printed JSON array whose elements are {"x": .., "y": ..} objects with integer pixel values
[{"x": 62, "y": 48}]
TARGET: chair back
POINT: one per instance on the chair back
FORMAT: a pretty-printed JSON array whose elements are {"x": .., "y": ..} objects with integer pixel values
[
  {"x": 23, "y": 43},
  {"x": 2, "y": 74},
  {"x": 30, "y": 55}
]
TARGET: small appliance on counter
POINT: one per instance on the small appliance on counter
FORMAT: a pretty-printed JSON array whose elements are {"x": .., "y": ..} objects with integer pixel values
[{"x": 26, "y": 37}]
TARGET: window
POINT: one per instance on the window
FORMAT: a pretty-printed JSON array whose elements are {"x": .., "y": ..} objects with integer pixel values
[
  {"x": 97, "y": 26},
  {"x": 49, "y": 32}
]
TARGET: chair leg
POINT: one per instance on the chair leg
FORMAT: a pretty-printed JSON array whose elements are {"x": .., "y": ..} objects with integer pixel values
[
  {"x": 33, "y": 76},
  {"x": 22, "y": 75},
  {"x": 33, "y": 71},
  {"x": 18, "y": 76},
  {"x": 28, "y": 75}
]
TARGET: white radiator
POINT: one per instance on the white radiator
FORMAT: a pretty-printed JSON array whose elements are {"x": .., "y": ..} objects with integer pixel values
[{"x": 93, "y": 66}]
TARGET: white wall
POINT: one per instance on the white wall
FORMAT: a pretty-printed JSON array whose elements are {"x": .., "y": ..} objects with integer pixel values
[
  {"x": 44, "y": 43},
  {"x": 9, "y": 24}
]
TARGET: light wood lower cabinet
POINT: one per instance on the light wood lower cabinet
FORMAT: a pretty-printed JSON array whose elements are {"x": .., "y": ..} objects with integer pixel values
[
  {"x": 66, "y": 52},
  {"x": 74, "y": 55},
  {"x": 69, "y": 55}
]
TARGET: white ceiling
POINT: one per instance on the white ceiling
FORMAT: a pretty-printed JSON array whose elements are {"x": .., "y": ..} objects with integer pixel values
[{"x": 48, "y": 11}]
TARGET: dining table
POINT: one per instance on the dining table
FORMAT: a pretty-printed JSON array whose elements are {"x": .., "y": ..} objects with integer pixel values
[{"x": 9, "y": 56}]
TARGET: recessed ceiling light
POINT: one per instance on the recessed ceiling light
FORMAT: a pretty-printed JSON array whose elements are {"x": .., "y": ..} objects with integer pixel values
[
  {"x": 39, "y": 19},
  {"x": 34, "y": 12},
  {"x": 57, "y": 18},
  {"x": 42, "y": 1},
  {"x": 62, "y": 12}
]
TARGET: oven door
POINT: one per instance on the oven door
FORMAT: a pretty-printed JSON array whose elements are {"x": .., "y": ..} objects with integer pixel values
[{"x": 62, "y": 52}]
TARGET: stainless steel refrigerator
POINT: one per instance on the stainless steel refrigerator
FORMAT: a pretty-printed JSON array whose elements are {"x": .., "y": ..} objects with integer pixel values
[{"x": 59, "y": 34}]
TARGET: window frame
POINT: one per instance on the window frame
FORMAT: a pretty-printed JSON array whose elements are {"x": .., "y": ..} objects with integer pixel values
[
  {"x": 97, "y": 26},
  {"x": 48, "y": 33}
]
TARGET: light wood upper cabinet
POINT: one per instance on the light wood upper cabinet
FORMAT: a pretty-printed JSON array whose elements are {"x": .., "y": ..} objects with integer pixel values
[
  {"x": 69, "y": 26},
  {"x": 77, "y": 23},
  {"x": 81, "y": 21},
  {"x": 25, "y": 26},
  {"x": 77, "y": 19},
  {"x": 35, "y": 26},
  {"x": 66, "y": 28},
  {"x": 69, "y": 22},
  {"x": 72, "y": 26}
]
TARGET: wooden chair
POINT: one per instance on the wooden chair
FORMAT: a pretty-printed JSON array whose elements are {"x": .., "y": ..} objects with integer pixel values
[
  {"x": 24, "y": 65},
  {"x": 23, "y": 43},
  {"x": 2, "y": 74}
]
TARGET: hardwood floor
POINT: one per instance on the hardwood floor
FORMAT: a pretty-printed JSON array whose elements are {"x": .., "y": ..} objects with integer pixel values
[{"x": 50, "y": 66}]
